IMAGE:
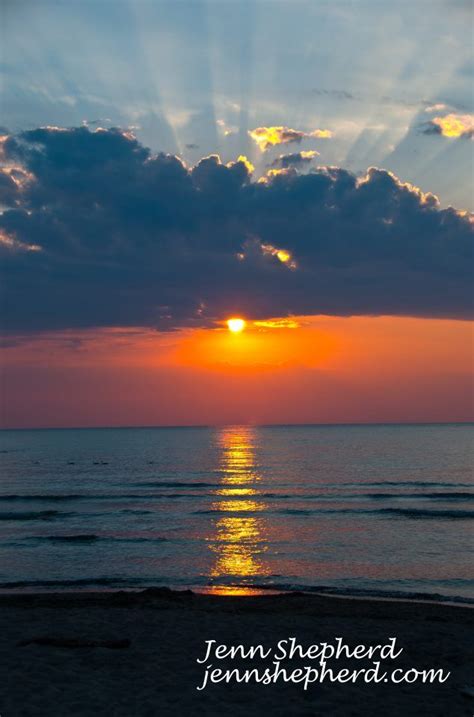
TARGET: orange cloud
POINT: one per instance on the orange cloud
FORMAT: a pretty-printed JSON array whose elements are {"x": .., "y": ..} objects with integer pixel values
[
  {"x": 310, "y": 154},
  {"x": 6, "y": 240},
  {"x": 453, "y": 125},
  {"x": 266, "y": 137},
  {"x": 277, "y": 324},
  {"x": 275, "y": 173},
  {"x": 242, "y": 158},
  {"x": 282, "y": 255}
]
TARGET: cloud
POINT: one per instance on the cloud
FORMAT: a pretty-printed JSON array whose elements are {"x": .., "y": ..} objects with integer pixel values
[
  {"x": 438, "y": 107},
  {"x": 282, "y": 255},
  {"x": 278, "y": 324},
  {"x": 452, "y": 125},
  {"x": 295, "y": 159},
  {"x": 337, "y": 94},
  {"x": 245, "y": 161},
  {"x": 107, "y": 234},
  {"x": 266, "y": 137},
  {"x": 225, "y": 129},
  {"x": 270, "y": 174},
  {"x": 408, "y": 102},
  {"x": 9, "y": 242}
]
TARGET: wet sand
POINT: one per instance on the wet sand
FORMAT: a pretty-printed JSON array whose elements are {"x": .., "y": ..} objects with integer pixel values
[{"x": 128, "y": 654}]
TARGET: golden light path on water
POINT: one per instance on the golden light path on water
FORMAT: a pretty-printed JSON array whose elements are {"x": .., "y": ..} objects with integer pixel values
[{"x": 239, "y": 541}]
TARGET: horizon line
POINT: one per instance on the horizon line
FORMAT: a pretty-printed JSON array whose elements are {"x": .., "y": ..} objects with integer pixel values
[{"x": 240, "y": 425}]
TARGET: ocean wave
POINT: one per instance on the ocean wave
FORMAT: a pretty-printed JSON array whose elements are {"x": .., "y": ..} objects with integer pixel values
[
  {"x": 131, "y": 511},
  {"x": 34, "y": 515},
  {"x": 137, "y": 584},
  {"x": 373, "y": 593},
  {"x": 443, "y": 496},
  {"x": 79, "y": 583},
  {"x": 451, "y": 496},
  {"x": 92, "y": 538},
  {"x": 175, "y": 484},
  {"x": 420, "y": 513},
  {"x": 69, "y": 538},
  {"x": 380, "y": 512},
  {"x": 58, "y": 497},
  {"x": 400, "y": 512},
  {"x": 39, "y": 497},
  {"x": 447, "y": 496},
  {"x": 414, "y": 483}
]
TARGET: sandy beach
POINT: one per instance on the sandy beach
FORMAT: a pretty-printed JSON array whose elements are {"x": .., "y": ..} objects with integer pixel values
[{"x": 128, "y": 653}]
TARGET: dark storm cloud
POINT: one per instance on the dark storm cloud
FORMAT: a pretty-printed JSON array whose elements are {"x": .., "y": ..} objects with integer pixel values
[
  {"x": 294, "y": 159},
  {"x": 103, "y": 233},
  {"x": 8, "y": 190}
]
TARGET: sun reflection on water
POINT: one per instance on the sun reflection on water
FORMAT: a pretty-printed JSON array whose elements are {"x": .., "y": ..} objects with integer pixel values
[{"x": 239, "y": 540}]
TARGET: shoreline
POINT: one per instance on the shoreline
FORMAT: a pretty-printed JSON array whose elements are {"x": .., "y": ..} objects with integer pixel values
[
  {"x": 269, "y": 598},
  {"x": 227, "y": 591}
]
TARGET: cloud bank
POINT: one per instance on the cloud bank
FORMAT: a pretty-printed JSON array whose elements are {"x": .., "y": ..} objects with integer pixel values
[{"x": 97, "y": 231}]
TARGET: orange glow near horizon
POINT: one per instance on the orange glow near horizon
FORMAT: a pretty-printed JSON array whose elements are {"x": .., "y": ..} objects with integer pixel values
[
  {"x": 263, "y": 346},
  {"x": 281, "y": 370}
]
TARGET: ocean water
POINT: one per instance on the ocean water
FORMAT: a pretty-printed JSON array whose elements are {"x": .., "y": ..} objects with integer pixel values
[{"x": 350, "y": 509}]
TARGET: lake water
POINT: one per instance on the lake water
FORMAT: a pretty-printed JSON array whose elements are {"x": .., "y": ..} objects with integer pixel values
[{"x": 358, "y": 509}]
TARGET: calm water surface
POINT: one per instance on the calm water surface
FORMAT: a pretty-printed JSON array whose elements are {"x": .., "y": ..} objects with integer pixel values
[{"x": 358, "y": 509}]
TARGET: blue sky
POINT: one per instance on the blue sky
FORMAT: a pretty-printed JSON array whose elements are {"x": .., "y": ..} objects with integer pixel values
[{"x": 193, "y": 78}]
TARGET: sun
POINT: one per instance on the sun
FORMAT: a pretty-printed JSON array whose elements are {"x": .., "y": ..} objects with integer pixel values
[{"x": 236, "y": 325}]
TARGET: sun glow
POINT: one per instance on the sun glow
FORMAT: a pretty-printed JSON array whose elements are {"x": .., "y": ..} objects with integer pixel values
[{"x": 236, "y": 325}]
